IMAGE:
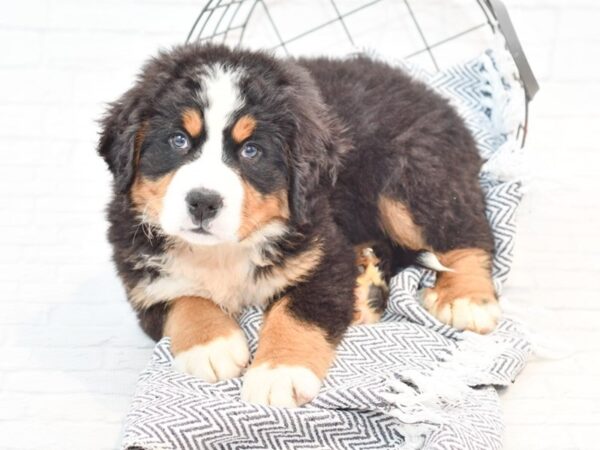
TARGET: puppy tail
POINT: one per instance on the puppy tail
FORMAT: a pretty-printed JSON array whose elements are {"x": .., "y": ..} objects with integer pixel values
[{"x": 430, "y": 261}]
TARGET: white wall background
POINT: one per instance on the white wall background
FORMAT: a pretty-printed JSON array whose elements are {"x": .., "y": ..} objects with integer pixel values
[{"x": 70, "y": 349}]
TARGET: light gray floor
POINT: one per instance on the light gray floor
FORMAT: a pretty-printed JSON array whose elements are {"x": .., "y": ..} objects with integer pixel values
[{"x": 70, "y": 348}]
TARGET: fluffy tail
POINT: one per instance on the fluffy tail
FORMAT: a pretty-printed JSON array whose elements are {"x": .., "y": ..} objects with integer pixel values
[{"x": 430, "y": 261}]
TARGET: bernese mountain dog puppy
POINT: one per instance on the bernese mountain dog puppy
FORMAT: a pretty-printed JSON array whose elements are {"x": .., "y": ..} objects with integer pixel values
[{"x": 242, "y": 179}]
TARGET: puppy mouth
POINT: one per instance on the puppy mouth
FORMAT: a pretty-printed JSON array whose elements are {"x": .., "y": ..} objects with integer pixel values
[{"x": 198, "y": 230}]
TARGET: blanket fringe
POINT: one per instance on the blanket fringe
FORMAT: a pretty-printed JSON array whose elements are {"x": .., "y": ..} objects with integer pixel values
[
  {"x": 421, "y": 400},
  {"x": 417, "y": 400}
]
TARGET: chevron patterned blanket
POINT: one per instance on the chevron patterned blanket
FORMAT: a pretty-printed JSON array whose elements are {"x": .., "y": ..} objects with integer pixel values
[{"x": 406, "y": 382}]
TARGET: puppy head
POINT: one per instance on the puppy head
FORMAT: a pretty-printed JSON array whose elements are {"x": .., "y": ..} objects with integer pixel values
[{"x": 213, "y": 145}]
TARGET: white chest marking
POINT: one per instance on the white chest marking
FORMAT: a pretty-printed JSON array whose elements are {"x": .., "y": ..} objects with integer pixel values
[{"x": 222, "y": 273}]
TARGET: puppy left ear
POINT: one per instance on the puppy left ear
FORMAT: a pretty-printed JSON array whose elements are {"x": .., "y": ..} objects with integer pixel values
[
  {"x": 316, "y": 150},
  {"x": 117, "y": 144}
]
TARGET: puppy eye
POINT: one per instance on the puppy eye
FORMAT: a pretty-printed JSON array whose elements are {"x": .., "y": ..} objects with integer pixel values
[
  {"x": 180, "y": 142},
  {"x": 249, "y": 151}
]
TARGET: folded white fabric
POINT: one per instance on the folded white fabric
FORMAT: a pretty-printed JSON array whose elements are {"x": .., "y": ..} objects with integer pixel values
[{"x": 406, "y": 382}]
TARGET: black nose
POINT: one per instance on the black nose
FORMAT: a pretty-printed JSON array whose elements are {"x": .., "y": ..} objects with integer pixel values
[{"x": 203, "y": 204}]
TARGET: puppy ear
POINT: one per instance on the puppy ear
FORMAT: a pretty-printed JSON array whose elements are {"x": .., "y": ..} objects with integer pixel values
[
  {"x": 117, "y": 144},
  {"x": 313, "y": 169},
  {"x": 316, "y": 150}
]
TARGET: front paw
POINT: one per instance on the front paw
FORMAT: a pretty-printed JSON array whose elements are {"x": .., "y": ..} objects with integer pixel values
[
  {"x": 286, "y": 386},
  {"x": 465, "y": 313},
  {"x": 220, "y": 359}
]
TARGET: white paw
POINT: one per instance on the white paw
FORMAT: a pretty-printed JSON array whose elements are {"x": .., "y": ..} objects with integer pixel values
[
  {"x": 480, "y": 316},
  {"x": 287, "y": 386},
  {"x": 220, "y": 359}
]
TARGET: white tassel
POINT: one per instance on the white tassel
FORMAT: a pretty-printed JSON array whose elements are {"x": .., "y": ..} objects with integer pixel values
[
  {"x": 507, "y": 163},
  {"x": 509, "y": 102}
]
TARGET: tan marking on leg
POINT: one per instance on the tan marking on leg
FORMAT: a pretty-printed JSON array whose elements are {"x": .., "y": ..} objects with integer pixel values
[
  {"x": 465, "y": 297},
  {"x": 293, "y": 357},
  {"x": 297, "y": 268},
  {"x": 471, "y": 274},
  {"x": 196, "y": 320},
  {"x": 398, "y": 223},
  {"x": 369, "y": 282},
  {"x": 205, "y": 341},
  {"x": 192, "y": 122},
  {"x": 286, "y": 340},
  {"x": 258, "y": 209},
  {"x": 243, "y": 128},
  {"x": 292, "y": 271},
  {"x": 147, "y": 195}
]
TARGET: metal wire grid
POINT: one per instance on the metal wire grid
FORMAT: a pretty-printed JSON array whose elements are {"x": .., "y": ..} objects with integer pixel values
[
  {"x": 206, "y": 28},
  {"x": 220, "y": 20}
]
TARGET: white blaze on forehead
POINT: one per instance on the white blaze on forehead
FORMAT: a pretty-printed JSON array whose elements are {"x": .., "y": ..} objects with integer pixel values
[{"x": 220, "y": 93}]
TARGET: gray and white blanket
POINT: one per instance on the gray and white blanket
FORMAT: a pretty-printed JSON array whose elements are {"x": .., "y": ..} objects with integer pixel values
[{"x": 406, "y": 382}]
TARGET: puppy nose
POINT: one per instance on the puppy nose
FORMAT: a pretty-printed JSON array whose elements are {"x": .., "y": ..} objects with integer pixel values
[{"x": 203, "y": 204}]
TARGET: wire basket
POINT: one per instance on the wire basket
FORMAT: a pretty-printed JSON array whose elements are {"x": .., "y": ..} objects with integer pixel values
[{"x": 431, "y": 33}]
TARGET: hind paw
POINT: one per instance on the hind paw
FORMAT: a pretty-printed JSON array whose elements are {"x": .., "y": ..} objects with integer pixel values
[{"x": 464, "y": 313}]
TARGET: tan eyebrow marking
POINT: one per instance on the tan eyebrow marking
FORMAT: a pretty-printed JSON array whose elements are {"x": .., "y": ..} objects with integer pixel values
[
  {"x": 243, "y": 128},
  {"x": 192, "y": 122}
]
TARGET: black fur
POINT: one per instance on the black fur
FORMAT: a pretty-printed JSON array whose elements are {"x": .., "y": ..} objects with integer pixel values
[
  {"x": 336, "y": 134},
  {"x": 408, "y": 144}
]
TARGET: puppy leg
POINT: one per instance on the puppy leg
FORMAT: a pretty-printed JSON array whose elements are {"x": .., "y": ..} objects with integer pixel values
[
  {"x": 371, "y": 289},
  {"x": 293, "y": 357},
  {"x": 205, "y": 341},
  {"x": 463, "y": 297},
  {"x": 301, "y": 329}
]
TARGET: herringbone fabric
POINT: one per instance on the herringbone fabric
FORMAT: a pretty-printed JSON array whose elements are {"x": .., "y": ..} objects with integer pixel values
[{"x": 406, "y": 382}]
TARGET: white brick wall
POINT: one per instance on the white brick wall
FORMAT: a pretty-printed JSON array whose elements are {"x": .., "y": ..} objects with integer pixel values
[
  {"x": 70, "y": 348},
  {"x": 70, "y": 345}
]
